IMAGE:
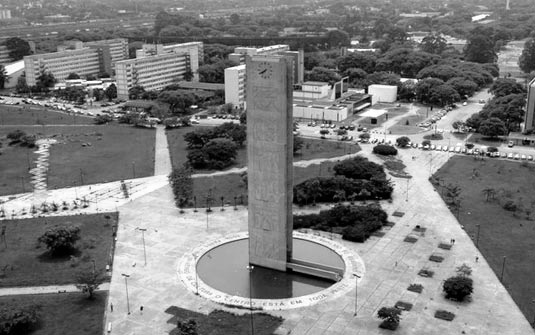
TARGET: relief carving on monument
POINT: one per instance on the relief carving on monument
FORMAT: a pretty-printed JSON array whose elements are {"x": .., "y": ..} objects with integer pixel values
[{"x": 264, "y": 99}]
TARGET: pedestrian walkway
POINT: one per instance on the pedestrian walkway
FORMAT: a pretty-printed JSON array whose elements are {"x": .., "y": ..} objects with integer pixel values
[
  {"x": 46, "y": 289},
  {"x": 162, "y": 158}
]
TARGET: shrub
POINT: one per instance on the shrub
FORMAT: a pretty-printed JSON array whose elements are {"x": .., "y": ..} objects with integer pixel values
[
  {"x": 182, "y": 185},
  {"x": 458, "y": 288},
  {"x": 444, "y": 315},
  {"x": 403, "y": 141},
  {"x": 510, "y": 206},
  {"x": 15, "y": 135},
  {"x": 386, "y": 150},
  {"x": 103, "y": 119},
  {"x": 60, "y": 240},
  {"x": 390, "y": 316},
  {"x": 88, "y": 282},
  {"x": 18, "y": 320},
  {"x": 464, "y": 270},
  {"x": 418, "y": 288},
  {"x": 359, "y": 168},
  {"x": 28, "y": 141},
  {"x": 426, "y": 142},
  {"x": 469, "y": 145}
]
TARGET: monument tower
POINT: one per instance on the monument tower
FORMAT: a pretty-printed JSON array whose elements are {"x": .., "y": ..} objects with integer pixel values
[{"x": 269, "y": 152}]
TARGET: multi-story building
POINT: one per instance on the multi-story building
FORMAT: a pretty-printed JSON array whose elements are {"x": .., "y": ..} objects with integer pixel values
[
  {"x": 118, "y": 48},
  {"x": 5, "y": 14},
  {"x": 235, "y": 85},
  {"x": 84, "y": 62},
  {"x": 529, "y": 117},
  {"x": 152, "y": 72},
  {"x": 241, "y": 52},
  {"x": 195, "y": 51},
  {"x": 4, "y": 55}
]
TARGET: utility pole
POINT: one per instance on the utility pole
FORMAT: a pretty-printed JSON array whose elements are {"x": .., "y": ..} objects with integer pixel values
[
  {"x": 356, "y": 292},
  {"x": 126, "y": 286},
  {"x": 143, "y": 230}
]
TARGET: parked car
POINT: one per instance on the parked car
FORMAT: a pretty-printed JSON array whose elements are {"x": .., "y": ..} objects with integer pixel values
[
  {"x": 503, "y": 155},
  {"x": 510, "y": 155},
  {"x": 445, "y": 148},
  {"x": 530, "y": 158},
  {"x": 511, "y": 144},
  {"x": 517, "y": 156},
  {"x": 438, "y": 147},
  {"x": 523, "y": 157}
]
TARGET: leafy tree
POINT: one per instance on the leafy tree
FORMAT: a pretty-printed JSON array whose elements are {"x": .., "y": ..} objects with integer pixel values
[
  {"x": 103, "y": 119},
  {"x": 502, "y": 87},
  {"x": 357, "y": 60},
  {"x": 215, "y": 72},
  {"x": 405, "y": 61},
  {"x": 443, "y": 72},
  {"x": 234, "y": 19},
  {"x": 480, "y": 49},
  {"x": 390, "y": 316},
  {"x": 464, "y": 87},
  {"x": 188, "y": 327},
  {"x": 492, "y": 127},
  {"x": 322, "y": 74},
  {"x": 403, "y": 141},
  {"x": 135, "y": 92},
  {"x": 22, "y": 86},
  {"x": 111, "y": 92},
  {"x": 182, "y": 185},
  {"x": 60, "y": 240},
  {"x": 198, "y": 138},
  {"x": 526, "y": 62},
  {"x": 457, "y": 125},
  {"x": 298, "y": 144},
  {"x": 220, "y": 152},
  {"x": 443, "y": 95},
  {"x": 509, "y": 109},
  {"x": 386, "y": 150},
  {"x": 458, "y": 288},
  {"x": 423, "y": 88},
  {"x": 88, "y": 282},
  {"x": 434, "y": 44},
  {"x": 3, "y": 77},
  {"x": 337, "y": 38},
  {"x": 359, "y": 168},
  {"x": 15, "y": 135},
  {"x": 18, "y": 48},
  {"x": 407, "y": 91},
  {"x": 73, "y": 75},
  {"x": 16, "y": 320},
  {"x": 45, "y": 81},
  {"x": 489, "y": 193},
  {"x": 188, "y": 75}
]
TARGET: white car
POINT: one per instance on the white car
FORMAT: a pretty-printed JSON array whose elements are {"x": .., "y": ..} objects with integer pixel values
[
  {"x": 438, "y": 147},
  {"x": 523, "y": 157},
  {"x": 433, "y": 147},
  {"x": 530, "y": 158},
  {"x": 510, "y": 155},
  {"x": 465, "y": 103}
]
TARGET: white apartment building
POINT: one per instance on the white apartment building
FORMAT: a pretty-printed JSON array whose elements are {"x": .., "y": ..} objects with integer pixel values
[
  {"x": 529, "y": 117},
  {"x": 84, "y": 62},
  {"x": 118, "y": 48},
  {"x": 151, "y": 72},
  {"x": 195, "y": 51},
  {"x": 241, "y": 52},
  {"x": 235, "y": 85},
  {"x": 4, "y": 55}
]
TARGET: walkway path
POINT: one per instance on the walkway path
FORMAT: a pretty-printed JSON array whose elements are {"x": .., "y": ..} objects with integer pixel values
[
  {"x": 46, "y": 289},
  {"x": 162, "y": 158},
  {"x": 391, "y": 266}
]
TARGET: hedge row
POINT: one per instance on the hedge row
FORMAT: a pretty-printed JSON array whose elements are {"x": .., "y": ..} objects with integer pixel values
[{"x": 355, "y": 223}]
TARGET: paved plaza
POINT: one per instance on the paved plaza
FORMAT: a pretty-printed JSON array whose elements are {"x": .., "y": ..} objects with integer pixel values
[{"x": 391, "y": 266}]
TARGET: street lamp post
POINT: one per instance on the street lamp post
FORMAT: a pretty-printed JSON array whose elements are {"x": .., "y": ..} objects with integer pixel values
[
  {"x": 143, "y": 230},
  {"x": 356, "y": 292},
  {"x": 126, "y": 286},
  {"x": 94, "y": 266},
  {"x": 407, "y": 193},
  {"x": 250, "y": 268}
]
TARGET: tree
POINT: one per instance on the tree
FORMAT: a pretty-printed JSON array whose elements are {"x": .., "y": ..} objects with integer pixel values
[
  {"x": 234, "y": 19},
  {"x": 457, "y": 125},
  {"x": 17, "y": 320},
  {"x": 60, "y": 240},
  {"x": 504, "y": 86},
  {"x": 433, "y": 44},
  {"x": 322, "y": 74},
  {"x": 337, "y": 38},
  {"x": 135, "y": 92},
  {"x": 111, "y": 92},
  {"x": 403, "y": 141},
  {"x": 215, "y": 72},
  {"x": 73, "y": 75},
  {"x": 298, "y": 144},
  {"x": 182, "y": 185},
  {"x": 443, "y": 95},
  {"x": 357, "y": 60},
  {"x": 359, "y": 168},
  {"x": 489, "y": 192},
  {"x": 3, "y": 77},
  {"x": 103, "y": 119},
  {"x": 492, "y": 127},
  {"x": 463, "y": 86},
  {"x": 423, "y": 88},
  {"x": 18, "y": 48},
  {"x": 220, "y": 152},
  {"x": 22, "y": 86},
  {"x": 390, "y": 316},
  {"x": 479, "y": 48},
  {"x": 526, "y": 62},
  {"x": 45, "y": 81},
  {"x": 188, "y": 327},
  {"x": 458, "y": 288},
  {"x": 188, "y": 75},
  {"x": 88, "y": 282}
]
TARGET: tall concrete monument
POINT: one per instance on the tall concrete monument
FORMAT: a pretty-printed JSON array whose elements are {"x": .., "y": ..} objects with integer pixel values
[{"x": 270, "y": 152}]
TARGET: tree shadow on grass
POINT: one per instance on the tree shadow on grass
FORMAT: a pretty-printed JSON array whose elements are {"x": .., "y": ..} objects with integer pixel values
[
  {"x": 49, "y": 257},
  {"x": 220, "y": 322}
]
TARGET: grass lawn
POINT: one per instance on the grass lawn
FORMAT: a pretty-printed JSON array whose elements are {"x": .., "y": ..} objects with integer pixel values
[
  {"x": 25, "y": 262},
  {"x": 502, "y": 232},
  {"x": 15, "y": 162},
  {"x": 220, "y": 322},
  {"x": 233, "y": 185},
  {"x": 312, "y": 149},
  {"x": 111, "y": 152},
  {"x": 26, "y": 115},
  {"x": 65, "y": 313}
]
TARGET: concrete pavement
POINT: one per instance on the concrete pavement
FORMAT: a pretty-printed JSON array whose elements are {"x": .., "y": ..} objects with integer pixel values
[{"x": 391, "y": 266}]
